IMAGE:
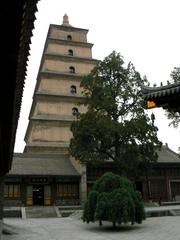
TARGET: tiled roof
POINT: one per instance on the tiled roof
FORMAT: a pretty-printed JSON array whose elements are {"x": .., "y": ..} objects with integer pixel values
[
  {"x": 167, "y": 97},
  {"x": 69, "y": 28},
  {"x": 35, "y": 164},
  {"x": 166, "y": 155},
  {"x": 157, "y": 92}
]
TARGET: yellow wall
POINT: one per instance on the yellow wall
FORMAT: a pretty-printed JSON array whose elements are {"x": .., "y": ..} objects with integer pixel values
[
  {"x": 77, "y": 36},
  {"x": 50, "y": 133},
  {"x": 57, "y": 108},
  {"x": 62, "y": 66},
  {"x": 59, "y": 86},
  {"x": 63, "y": 50}
]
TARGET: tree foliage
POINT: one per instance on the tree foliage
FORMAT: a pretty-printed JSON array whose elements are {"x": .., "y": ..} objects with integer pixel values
[
  {"x": 115, "y": 126},
  {"x": 114, "y": 199}
]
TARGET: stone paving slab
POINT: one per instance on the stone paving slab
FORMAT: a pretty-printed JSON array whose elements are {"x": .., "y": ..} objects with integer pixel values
[
  {"x": 162, "y": 208},
  {"x": 160, "y": 228}
]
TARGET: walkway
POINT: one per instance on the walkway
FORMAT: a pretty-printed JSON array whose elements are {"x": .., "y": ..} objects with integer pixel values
[{"x": 161, "y": 228}]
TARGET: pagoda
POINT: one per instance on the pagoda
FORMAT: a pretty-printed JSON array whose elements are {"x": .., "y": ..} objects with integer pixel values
[
  {"x": 66, "y": 58},
  {"x": 45, "y": 173}
]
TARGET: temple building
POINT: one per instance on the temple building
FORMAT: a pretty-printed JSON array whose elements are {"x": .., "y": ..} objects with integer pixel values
[
  {"x": 167, "y": 97},
  {"x": 161, "y": 182}
]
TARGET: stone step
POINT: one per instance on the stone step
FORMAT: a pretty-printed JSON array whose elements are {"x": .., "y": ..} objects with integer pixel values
[
  {"x": 170, "y": 203},
  {"x": 10, "y": 212},
  {"x": 66, "y": 211},
  {"x": 74, "y": 207},
  {"x": 176, "y": 212},
  {"x": 40, "y": 212}
]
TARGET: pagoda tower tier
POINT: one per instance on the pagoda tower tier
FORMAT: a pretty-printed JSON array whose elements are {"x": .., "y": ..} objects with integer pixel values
[{"x": 67, "y": 56}]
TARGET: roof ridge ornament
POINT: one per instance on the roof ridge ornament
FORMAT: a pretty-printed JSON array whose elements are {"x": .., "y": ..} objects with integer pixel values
[{"x": 66, "y": 20}]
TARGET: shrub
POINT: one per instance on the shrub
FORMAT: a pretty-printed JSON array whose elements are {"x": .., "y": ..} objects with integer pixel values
[{"x": 113, "y": 198}]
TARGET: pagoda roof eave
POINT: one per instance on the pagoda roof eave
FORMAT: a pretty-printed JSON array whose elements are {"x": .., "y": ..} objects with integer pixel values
[
  {"x": 59, "y": 95},
  {"x": 70, "y": 42},
  {"x": 69, "y": 28},
  {"x": 61, "y": 74},
  {"x": 69, "y": 58}
]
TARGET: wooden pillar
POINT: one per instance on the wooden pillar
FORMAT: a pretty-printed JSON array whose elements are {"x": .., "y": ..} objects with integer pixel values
[
  {"x": 29, "y": 195},
  {"x": 168, "y": 187},
  {"x": 53, "y": 191},
  {"x": 47, "y": 195},
  {"x": 23, "y": 191},
  {"x": 2, "y": 176}
]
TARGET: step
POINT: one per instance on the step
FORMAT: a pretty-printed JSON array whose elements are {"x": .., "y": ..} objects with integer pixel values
[
  {"x": 10, "y": 212},
  {"x": 40, "y": 212},
  {"x": 73, "y": 207},
  {"x": 66, "y": 211},
  {"x": 170, "y": 203}
]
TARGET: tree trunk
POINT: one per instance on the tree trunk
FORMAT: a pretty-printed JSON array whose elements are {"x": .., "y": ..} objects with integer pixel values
[
  {"x": 114, "y": 224},
  {"x": 148, "y": 190}
]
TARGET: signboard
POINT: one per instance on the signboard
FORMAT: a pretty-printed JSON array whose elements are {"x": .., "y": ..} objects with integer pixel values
[{"x": 39, "y": 180}]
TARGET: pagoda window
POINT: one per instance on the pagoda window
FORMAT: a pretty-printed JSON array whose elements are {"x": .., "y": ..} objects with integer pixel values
[
  {"x": 72, "y": 69},
  {"x": 73, "y": 89},
  {"x": 69, "y": 37},
  {"x": 70, "y": 52},
  {"x": 75, "y": 111}
]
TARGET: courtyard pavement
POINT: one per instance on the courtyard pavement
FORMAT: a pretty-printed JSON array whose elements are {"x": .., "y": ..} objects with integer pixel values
[{"x": 157, "y": 228}]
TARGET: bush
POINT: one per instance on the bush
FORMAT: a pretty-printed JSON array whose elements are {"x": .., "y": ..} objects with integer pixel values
[{"x": 113, "y": 198}]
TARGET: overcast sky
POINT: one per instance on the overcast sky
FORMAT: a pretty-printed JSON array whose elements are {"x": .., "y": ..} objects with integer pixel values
[{"x": 145, "y": 32}]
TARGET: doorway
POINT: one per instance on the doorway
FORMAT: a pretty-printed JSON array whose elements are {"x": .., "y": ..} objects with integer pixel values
[
  {"x": 139, "y": 187},
  {"x": 38, "y": 195},
  {"x": 175, "y": 190}
]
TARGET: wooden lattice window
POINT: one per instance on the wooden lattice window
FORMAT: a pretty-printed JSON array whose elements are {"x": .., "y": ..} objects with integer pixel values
[
  {"x": 67, "y": 190},
  {"x": 12, "y": 190}
]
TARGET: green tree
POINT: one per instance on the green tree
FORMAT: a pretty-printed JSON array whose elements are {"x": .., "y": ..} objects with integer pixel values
[
  {"x": 115, "y": 126},
  {"x": 114, "y": 199}
]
